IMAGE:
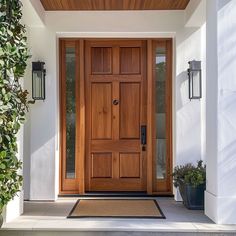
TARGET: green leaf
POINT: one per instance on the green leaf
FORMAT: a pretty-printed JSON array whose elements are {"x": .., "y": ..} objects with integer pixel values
[
  {"x": 13, "y": 101},
  {"x": 3, "y": 154},
  {"x": 2, "y": 166}
]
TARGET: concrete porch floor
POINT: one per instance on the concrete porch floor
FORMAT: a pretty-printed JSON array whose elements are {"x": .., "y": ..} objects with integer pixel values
[{"x": 49, "y": 218}]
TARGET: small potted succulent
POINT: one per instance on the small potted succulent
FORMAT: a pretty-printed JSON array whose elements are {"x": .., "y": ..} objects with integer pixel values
[{"x": 191, "y": 181}]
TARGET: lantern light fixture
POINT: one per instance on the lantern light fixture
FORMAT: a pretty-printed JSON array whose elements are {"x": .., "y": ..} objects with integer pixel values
[
  {"x": 38, "y": 80},
  {"x": 195, "y": 79}
]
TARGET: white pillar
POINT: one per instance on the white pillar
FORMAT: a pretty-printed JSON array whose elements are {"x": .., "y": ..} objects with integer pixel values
[{"x": 220, "y": 195}]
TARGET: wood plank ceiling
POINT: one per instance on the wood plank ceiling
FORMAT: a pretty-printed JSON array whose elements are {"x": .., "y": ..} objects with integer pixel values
[{"x": 82, "y": 5}]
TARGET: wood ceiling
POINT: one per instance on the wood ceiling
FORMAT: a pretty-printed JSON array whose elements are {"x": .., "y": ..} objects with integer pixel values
[{"x": 83, "y": 5}]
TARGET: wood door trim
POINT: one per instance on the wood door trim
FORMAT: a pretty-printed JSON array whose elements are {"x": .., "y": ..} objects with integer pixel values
[
  {"x": 72, "y": 186},
  {"x": 166, "y": 184},
  {"x": 81, "y": 108},
  {"x": 81, "y": 134},
  {"x": 149, "y": 118}
]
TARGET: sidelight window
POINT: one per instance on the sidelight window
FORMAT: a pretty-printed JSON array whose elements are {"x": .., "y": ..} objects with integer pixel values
[
  {"x": 70, "y": 112},
  {"x": 160, "y": 112}
]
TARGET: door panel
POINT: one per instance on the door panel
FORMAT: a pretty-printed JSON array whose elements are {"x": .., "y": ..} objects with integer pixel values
[
  {"x": 126, "y": 161},
  {"x": 129, "y": 110},
  {"x": 130, "y": 60},
  {"x": 101, "y": 165},
  {"x": 115, "y": 111},
  {"x": 101, "y": 94},
  {"x": 101, "y": 60}
]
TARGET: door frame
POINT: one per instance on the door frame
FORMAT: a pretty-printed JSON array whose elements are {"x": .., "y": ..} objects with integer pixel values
[{"x": 78, "y": 184}]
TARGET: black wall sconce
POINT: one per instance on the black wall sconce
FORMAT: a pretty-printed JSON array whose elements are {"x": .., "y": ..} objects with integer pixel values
[
  {"x": 195, "y": 79},
  {"x": 38, "y": 80}
]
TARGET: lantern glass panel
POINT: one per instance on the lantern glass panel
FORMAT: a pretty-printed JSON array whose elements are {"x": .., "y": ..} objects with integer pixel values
[
  {"x": 38, "y": 85},
  {"x": 196, "y": 83},
  {"x": 160, "y": 112},
  {"x": 70, "y": 112}
]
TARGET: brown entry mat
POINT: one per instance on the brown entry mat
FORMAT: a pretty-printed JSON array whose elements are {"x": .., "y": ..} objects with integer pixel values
[{"x": 119, "y": 208}]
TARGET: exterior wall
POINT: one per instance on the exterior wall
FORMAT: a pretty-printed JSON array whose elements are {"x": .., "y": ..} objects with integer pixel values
[
  {"x": 221, "y": 106},
  {"x": 41, "y": 153},
  {"x": 189, "y": 115},
  {"x": 43, "y": 130}
]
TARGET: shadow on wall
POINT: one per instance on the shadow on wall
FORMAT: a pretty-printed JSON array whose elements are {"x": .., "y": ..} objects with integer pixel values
[
  {"x": 227, "y": 108},
  {"x": 181, "y": 90},
  {"x": 188, "y": 123}
]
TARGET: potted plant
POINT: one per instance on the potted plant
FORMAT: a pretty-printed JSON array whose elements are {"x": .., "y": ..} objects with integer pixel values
[
  {"x": 13, "y": 98},
  {"x": 191, "y": 181}
]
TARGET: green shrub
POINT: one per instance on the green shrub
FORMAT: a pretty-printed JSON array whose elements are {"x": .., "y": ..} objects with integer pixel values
[
  {"x": 190, "y": 174},
  {"x": 13, "y": 99}
]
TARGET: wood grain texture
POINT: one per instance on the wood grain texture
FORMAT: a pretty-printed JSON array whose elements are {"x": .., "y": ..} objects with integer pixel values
[
  {"x": 60, "y": 5},
  {"x": 163, "y": 185},
  {"x": 103, "y": 62},
  {"x": 129, "y": 110},
  {"x": 68, "y": 184},
  {"x": 130, "y": 60},
  {"x": 120, "y": 150},
  {"x": 101, "y": 165},
  {"x": 80, "y": 133},
  {"x": 126, "y": 161},
  {"x": 115, "y": 108},
  {"x": 150, "y": 118},
  {"x": 101, "y": 110}
]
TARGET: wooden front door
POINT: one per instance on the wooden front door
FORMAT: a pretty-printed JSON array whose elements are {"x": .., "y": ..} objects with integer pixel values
[{"x": 115, "y": 95}]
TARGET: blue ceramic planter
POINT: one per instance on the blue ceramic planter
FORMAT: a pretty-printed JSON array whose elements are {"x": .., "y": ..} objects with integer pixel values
[{"x": 193, "y": 197}]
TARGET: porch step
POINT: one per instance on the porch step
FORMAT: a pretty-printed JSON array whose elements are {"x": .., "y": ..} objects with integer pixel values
[
  {"x": 109, "y": 233},
  {"x": 49, "y": 219}
]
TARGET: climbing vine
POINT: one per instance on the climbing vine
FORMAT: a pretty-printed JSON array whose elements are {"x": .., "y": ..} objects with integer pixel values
[{"x": 13, "y": 98}]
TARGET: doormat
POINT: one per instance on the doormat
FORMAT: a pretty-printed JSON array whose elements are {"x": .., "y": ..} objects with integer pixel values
[{"x": 116, "y": 208}]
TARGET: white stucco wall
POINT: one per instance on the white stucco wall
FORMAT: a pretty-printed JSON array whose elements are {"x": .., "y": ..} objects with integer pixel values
[
  {"x": 43, "y": 128},
  {"x": 44, "y": 115},
  {"x": 221, "y": 116},
  {"x": 189, "y": 118},
  {"x": 189, "y": 115}
]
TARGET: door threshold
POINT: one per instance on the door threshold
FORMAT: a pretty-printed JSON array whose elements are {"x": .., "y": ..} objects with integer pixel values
[{"x": 115, "y": 194}]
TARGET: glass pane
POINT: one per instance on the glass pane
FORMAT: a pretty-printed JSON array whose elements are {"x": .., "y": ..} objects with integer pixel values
[
  {"x": 160, "y": 112},
  {"x": 70, "y": 113},
  {"x": 37, "y": 84},
  {"x": 196, "y": 83}
]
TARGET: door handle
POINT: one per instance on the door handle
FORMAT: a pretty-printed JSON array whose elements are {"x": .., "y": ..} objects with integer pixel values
[{"x": 143, "y": 134}]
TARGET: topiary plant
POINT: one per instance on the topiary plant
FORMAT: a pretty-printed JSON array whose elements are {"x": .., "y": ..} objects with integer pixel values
[{"x": 13, "y": 99}]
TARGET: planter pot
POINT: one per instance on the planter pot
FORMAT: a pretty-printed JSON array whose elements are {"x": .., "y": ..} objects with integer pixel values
[{"x": 193, "y": 197}]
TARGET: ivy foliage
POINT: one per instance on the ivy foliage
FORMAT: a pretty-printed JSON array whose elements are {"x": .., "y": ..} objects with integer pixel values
[
  {"x": 190, "y": 174},
  {"x": 13, "y": 98}
]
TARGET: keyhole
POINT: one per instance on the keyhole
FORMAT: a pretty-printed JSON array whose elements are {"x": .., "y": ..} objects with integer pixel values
[{"x": 115, "y": 102}]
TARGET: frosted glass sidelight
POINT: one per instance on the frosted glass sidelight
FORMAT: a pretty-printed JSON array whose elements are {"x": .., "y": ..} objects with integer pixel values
[
  {"x": 70, "y": 112},
  {"x": 160, "y": 112}
]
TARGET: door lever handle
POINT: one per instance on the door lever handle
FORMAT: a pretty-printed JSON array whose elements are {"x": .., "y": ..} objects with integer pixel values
[{"x": 143, "y": 134}]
